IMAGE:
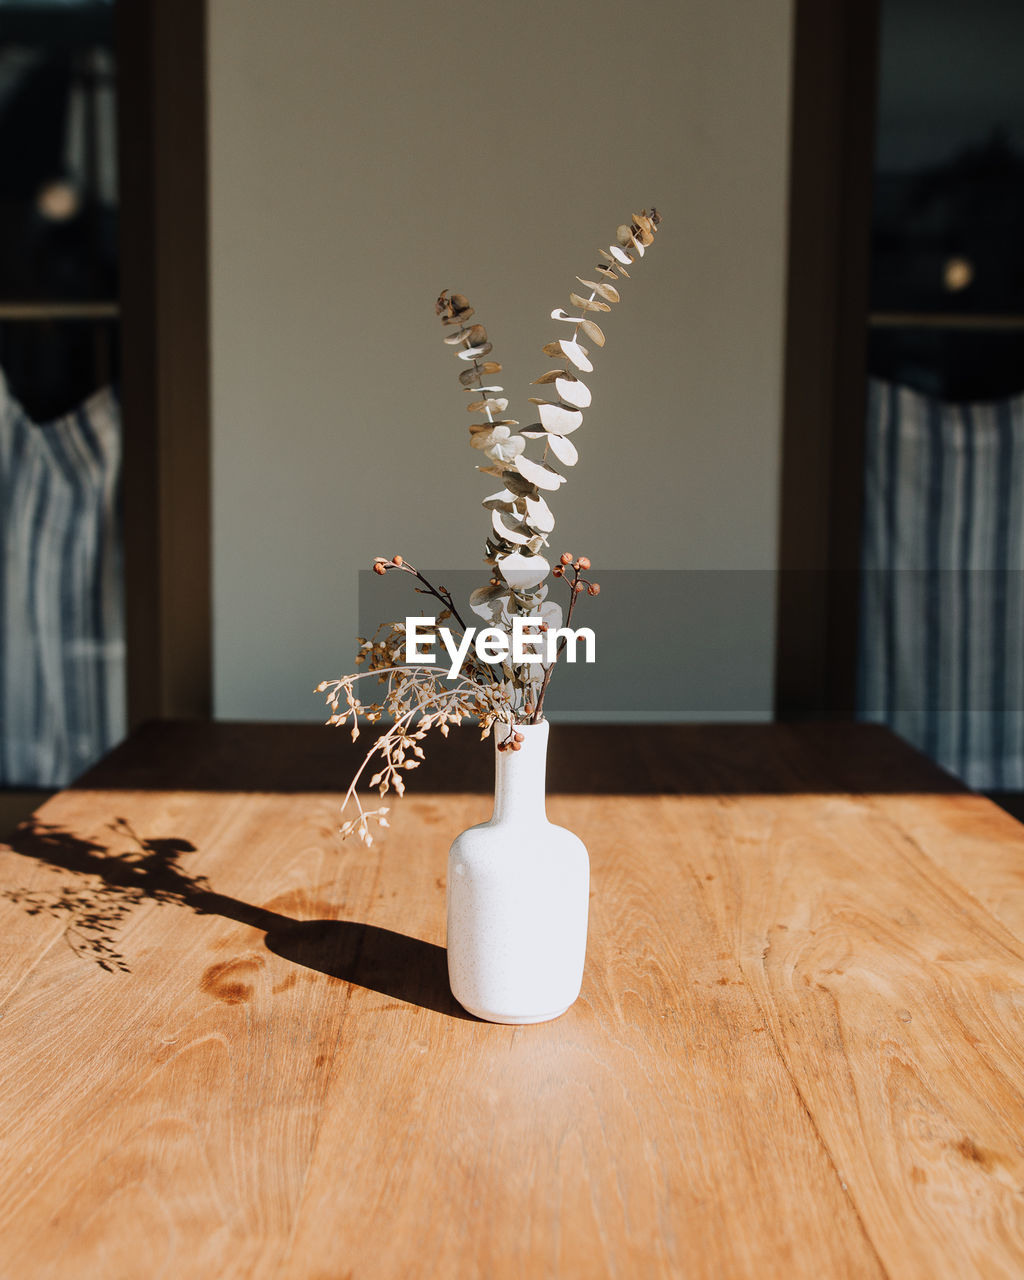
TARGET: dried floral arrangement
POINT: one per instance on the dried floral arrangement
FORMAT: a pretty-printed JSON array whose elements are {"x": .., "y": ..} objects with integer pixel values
[{"x": 501, "y": 696}]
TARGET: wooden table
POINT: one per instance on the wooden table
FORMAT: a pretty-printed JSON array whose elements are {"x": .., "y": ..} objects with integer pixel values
[{"x": 227, "y": 1046}]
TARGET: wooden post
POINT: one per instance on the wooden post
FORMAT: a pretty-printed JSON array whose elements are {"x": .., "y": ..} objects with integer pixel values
[
  {"x": 832, "y": 162},
  {"x": 165, "y": 348}
]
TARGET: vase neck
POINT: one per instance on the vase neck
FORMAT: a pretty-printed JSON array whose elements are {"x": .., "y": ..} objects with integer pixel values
[{"x": 519, "y": 775}]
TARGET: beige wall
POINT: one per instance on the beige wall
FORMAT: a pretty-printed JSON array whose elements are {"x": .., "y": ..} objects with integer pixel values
[{"x": 363, "y": 157}]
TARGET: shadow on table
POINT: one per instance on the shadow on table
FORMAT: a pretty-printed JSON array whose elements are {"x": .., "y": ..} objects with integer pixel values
[{"x": 109, "y": 885}]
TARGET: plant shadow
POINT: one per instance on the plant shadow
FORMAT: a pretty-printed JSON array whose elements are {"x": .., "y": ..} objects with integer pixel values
[{"x": 109, "y": 884}]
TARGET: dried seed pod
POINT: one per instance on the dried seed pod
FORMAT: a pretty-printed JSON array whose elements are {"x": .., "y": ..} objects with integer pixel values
[{"x": 588, "y": 304}]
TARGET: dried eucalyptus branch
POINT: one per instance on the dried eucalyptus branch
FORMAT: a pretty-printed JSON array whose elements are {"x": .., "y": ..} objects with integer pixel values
[{"x": 520, "y": 516}]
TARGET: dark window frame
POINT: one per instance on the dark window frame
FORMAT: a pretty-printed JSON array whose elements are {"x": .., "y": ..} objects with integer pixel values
[
  {"x": 834, "y": 89},
  {"x": 162, "y": 127}
]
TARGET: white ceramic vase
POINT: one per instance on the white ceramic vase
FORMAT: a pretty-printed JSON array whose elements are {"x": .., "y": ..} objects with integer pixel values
[{"x": 518, "y": 898}]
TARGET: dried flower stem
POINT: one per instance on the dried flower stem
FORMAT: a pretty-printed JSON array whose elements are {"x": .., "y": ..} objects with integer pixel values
[
  {"x": 575, "y": 590},
  {"x": 435, "y": 705},
  {"x": 439, "y": 593}
]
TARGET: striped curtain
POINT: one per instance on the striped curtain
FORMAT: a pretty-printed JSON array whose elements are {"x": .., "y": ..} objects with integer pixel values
[
  {"x": 942, "y": 603},
  {"x": 62, "y": 651}
]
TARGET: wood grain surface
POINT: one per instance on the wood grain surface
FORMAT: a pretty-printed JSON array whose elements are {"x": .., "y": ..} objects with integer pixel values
[{"x": 228, "y": 1049}]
